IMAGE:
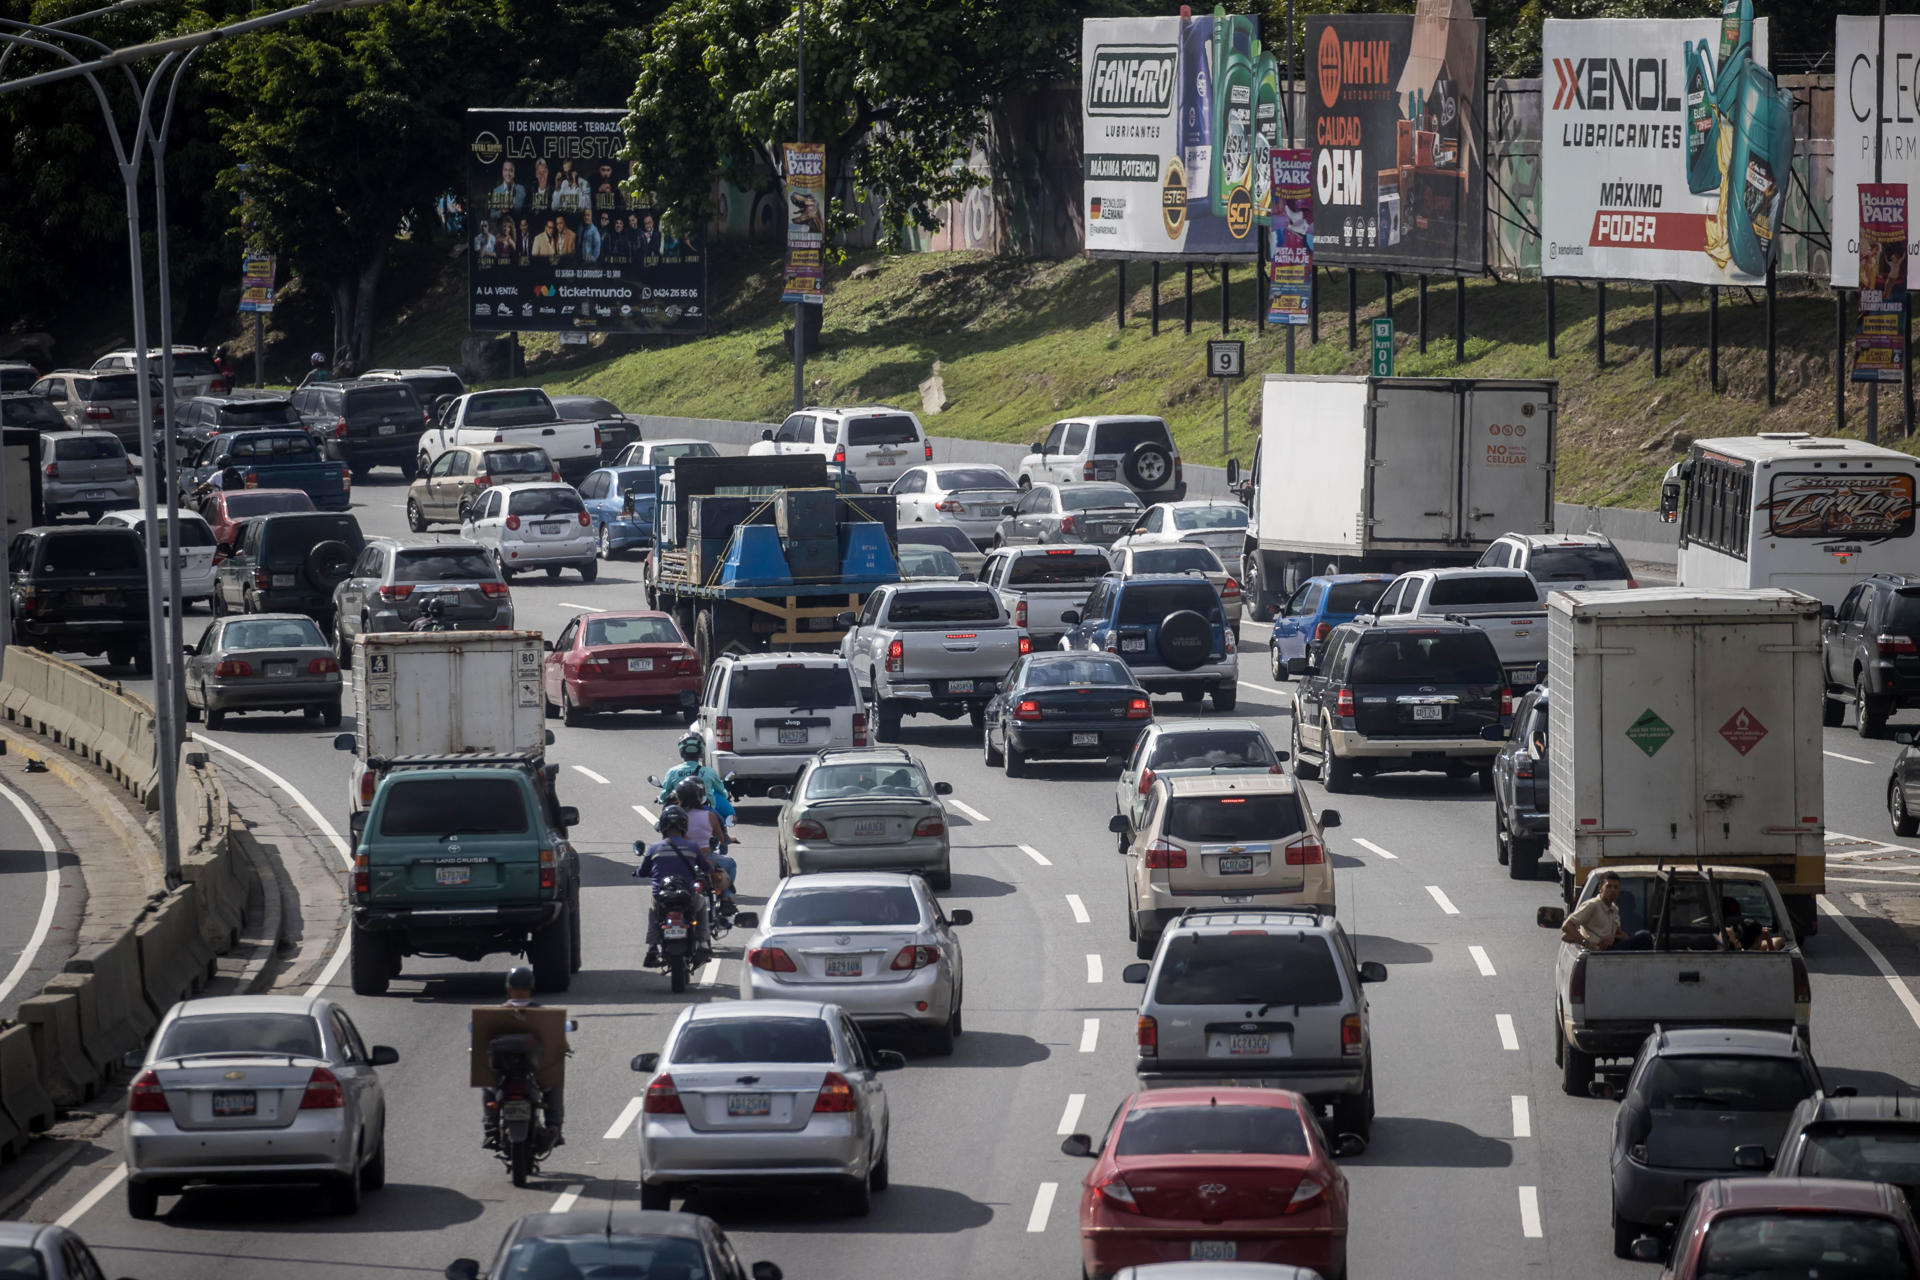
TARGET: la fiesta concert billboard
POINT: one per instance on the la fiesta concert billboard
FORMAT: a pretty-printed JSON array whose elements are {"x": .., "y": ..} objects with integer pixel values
[{"x": 555, "y": 242}]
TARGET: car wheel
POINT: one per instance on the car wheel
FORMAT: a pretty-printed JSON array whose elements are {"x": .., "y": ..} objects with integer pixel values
[
  {"x": 605, "y": 547},
  {"x": 977, "y": 716},
  {"x": 553, "y": 573},
  {"x": 992, "y": 757},
  {"x": 1502, "y": 838},
  {"x": 342, "y": 647},
  {"x": 1355, "y": 1115},
  {"x": 1485, "y": 773},
  {"x": 881, "y": 1174},
  {"x": 217, "y": 605},
  {"x": 1833, "y": 712},
  {"x": 216, "y": 718},
  {"x": 1523, "y": 857},
  {"x": 1016, "y": 760},
  {"x": 1339, "y": 772},
  {"x": 343, "y": 1196},
  {"x": 1576, "y": 1068},
  {"x": 1624, "y": 1234},
  {"x": 368, "y": 963},
  {"x": 940, "y": 1041},
  {"x": 1301, "y": 768},
  {"x": 941, "y": 880},
  {"x": 330, "y": 715},
  {"x": 143, "y": 1200},
  {"x": 373, "y": 1174},
  {"x": 1275, "y": 667},
  {"x": 547, "y": 707},
  {"x": 588, "y": 571},
  {"x": 1225, "y": 696},
  {"x": 1192, "y": 696},
  {"x": 1870, "y": 714},
  {"x": 1904, "y": 823},
  {"x": 415, "y": 521},
  {"x": 658, "y": 1199},
  {"x": 193, "y": 712},
  {"x": 570, "y": 713},
  {"x": 576, "y": 957},
  {"x": 859, "y": 1197},
  {"x": 550, "y": 952}
]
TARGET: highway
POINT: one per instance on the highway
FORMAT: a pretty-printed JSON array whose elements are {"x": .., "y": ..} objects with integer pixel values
[{"x": 1480, "y": 1166}]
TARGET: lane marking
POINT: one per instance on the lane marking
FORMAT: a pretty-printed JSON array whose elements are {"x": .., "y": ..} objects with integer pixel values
[
  {"x": 1071, "y": 1116},
  {"x": 1446, "y": 904},
  {"x": 589, "y": 608},
  {"x": 628, "y": 1114},
  {"x": 567, "y": 1197},
  {"x": 1042, "y": 1206},
  {"x": 85, "y": 1204},
  {"x": 1375, "y": 849},
  {"x": 1035, "y": 854},
  {"x": 1509, "y": 1040},
  {"x": 1530, "y": 1212},
  {"x": 709, "y": 973},
  {"x": 1264, "y": 688},
  {"x": 1849, "y": 759},
  {"x": 646, "y": 813},
  {"x": 1079, "y": 909},
  {"x": 1522, "y": 1117},
  {"x": 49, "y": 896},
  {"x": 1885, "y": 871},
  {"x": 1089, "y": 1034},
  {"x": 1901, "y": 991},
  {"x": 1093, "y": 969},
  {"x": 972, "y": 814},
  {"x": 1479, "y": 955},
  {"x": 591, "y": 774}
]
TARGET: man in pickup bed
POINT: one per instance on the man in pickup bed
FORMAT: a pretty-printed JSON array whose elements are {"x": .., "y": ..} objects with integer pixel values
[{"x": 1595, "y": 923}]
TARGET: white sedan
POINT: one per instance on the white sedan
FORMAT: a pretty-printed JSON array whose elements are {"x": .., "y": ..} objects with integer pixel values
[
  {"x": 968, "y": 495},
  {"x": 1217, "y": 523}
]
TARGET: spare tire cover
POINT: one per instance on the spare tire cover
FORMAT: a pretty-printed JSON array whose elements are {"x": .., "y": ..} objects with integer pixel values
[
  {"x": 1148, "y": 465},
  {"x": 1186, "y": 640},
  {"x": 328, "y": 562}
]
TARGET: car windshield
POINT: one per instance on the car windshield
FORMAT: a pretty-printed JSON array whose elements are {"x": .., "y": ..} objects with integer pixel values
[
  {"x": 285, "y": 444},
  {"x": 1142, "y": 604},
  {"x": 1223, "y": 515},
  {"x": 30, "y": 411},
  {"x": 500, "y": 462},
  {"x": 1862, "y": 1153},
  {"x": 1903, "y": 611},
  {"x": 632, "y": 631},
  {"x": 684, "y": 449},
  {"x": 1089, "y": 497},
  {"x": 1212, "y": 1131},
  {"x": 1698, "y": 1082},
  {"x": 960, "y": 605},
  {"x": 1205, "y": 748},
  {"x": 19, "y": 1263},
  {"x": 275, "y": 633},
  {"x": 1250, "y": 969},
  {"x": 605, "y": 1257},
  {"x": 260, "y": 504},
  {"x": 1577, "y": 564},
  {"x": 425, "y": 806},
  {"x": 928, "y": 562},
  {"x": 102, "y": 551},
  {"x": 1830, "y": 1246},
  {"x": 955, "y": 479},
  {"x": 722, "y": 1040},
  {"x": 1254, "y": 819},
  {"x": 391, "y": 397},
  {"x": 1503, "y": 588},
  {"x": 1120, "y": 437},
  {"x": 1065, "y": 673},
  {"x": 93, "y": 447},
  {"x": 259, "y": 413},
  {"x": 546, "y": 502},
  {"x": 891, "y": 428},
  {"x": 848, "y": 907},
  {"x": 508, "y": 408},
  {"x": 123, "y": 386},
  {"x": 1354, "y": 597},
  {"x": 790, "y": 685},
  {"x": 881, "y": 781},
  {"x": 1454, "y": 657},
  {"x": 295, "y": 1033},
  {"x": 1056, "y": 566},
  {"x": 1177, "y": 560},
  {"x": 443, "y": 564},
  {"x": 952, "y": 537}
]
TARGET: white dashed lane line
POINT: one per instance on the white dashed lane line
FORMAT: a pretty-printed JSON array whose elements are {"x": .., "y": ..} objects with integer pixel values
[
  {"x": 1042, "y": 1206},
  {"x": 1089, "y": 1034},
  {"x": 1070, "y": 1117},
  {"x": 1509, "y": 1040},
  {"x": 587, "y": 608},
  {"x": 968, "y": 811},
  {"x": 1094, "y": 973},
  {"x": 1035, "y": 854},
  {"x": 1376, "y": 850},
  {"x": 1530, "y": 1212},
  {"x": 1446, "y": 904},
  {"x": 566, "y": 1198},
  {"x": 1480, "y": 960},
  {"x": 1264, "y": 688},
  {"x": 1849, "y": 759},
  {"x": 628, "y": 1114},
  {"x": 582, "y": 769},
  {"x": 709, "y": 973},
  {"x": 646, "y": 813},
  {"x": 1078, "y": 908},
  {"x": 1522, "y": 1117}
]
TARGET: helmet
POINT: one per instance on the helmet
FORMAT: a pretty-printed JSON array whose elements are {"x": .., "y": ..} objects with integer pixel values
[
  {"x": 673, "y": 818},
  {"x": 316, "y": 359},
  {"x": 520, "y": 978},
  {"x": 691, "y": 746},
  {"x": 691, "y": 793}
]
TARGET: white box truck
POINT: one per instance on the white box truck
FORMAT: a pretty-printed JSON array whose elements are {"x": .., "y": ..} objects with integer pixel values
[
  {"x": 1382, "y": 475},
  {"x": 443, "y": 693},
  {"x": 1684, "y": 728}
]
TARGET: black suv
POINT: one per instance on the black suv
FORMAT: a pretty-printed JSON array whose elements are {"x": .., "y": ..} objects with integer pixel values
[
  {"x": 365, "y": 422},
  {"x": 1870, "y": 652},
  {"x": 289, "y": 562},
  {"x": 81, "y": 590},
  {"x": 34, "y": 412},
  {"x": 1402, "y": 693},
  {"x": 1520, "y": 786}
]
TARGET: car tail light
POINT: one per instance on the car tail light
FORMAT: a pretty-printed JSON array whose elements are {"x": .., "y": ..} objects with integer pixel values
[
  {"x": 1230, "y": 643},
  {"x": 129, "y": 466},
  {"x": 836, "y": 1096},
  {"x": 1146, "y": 1036},
  {"x": 929, "y": 827},
  {"x": 262, "y": 579},
  {"x": 929, "y": 448},
  {"x": 1066, "y": 524},
  {"x": 1027, "y": 710},
  {"x": 233, "y": 667},
  {"x": 426, "y": 419},
  {"x": 1163, "y": 855},
  {"x": 1086, "y": 472},
  {"x": 859, "y": 728},
  {"x": 1352, "y": 1037},
  {"x": 323, "y": 1092},
  {"x": 367, "y": 783},
  {"x": 723, "y": 733},
  {"x": 1231, "y": 591},
  {"x": 99, "y": 413},
  {"x": 253, "y": 478},
  {"x": 1020, "y": 613},
  {"x": 323, "y": 666},
  {"x": 1523, "y": 767},
  {"x": 1802, "y": 989},
  {"x": 346, "y": 478},
  {"x": 896, "y": 658},
  {"x": 513, "y": 523},
  {"x": 51, "y": 471},
  {"x": 554, "y": 476},
  {"x": 146, "y": 1093},
  {"x": 1026, "y": 645},
  {"x": 1146, "y": 781},
  {"x": 1506, "y": 702},
  {"x": 809, "y": 829},
  {"x": 1889, "y": 645},
  {"x": 840, "y": 455},
  {"x": 1306, "y": 1196},
  {"x": 1633, "y": 583},
  {"x": 1117, "y": 1193},
  {"x": 1577, "y": 981},
  {"x": 1343, "y": 703},
  {"x": 599, "y": 438},
  {"x": 662, "y": 1098},
  {"x": 950, "y": 507},
  {"x": 362, "y": 878},
  {"x": 481, "y": 482},
  {"x": 585, "y": 520},
  {"x": 494, "y": 590},
  {"x": 399, "y": 592},
  {"x": 1306, "y": 852},
  {"x": 547, "y": 868},
  {"x": 339, "y": 428},
  {"x": 1322, "y": 631},
  {"x": 499, "y": 437},
  {"x": 1139, "y": 709},
  {"x": 915, "y": 958},
  {"x": 771, "y": 960},
  {"x": 1179, "y": 472},
  {"x": 29, "y": 600}
]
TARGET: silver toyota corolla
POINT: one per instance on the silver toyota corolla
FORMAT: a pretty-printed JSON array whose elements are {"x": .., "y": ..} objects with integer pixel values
[{"x": 865, "y": 808}]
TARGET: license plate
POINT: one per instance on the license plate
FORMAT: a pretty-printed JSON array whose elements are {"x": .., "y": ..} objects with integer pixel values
[
  {"x": 282, "y": 579},
  {"x": 639, "y": 664},
  {"x": 1236, "y": 865},
  {"x": 1133, "y": 646},
  {"x": 1236, "y": 899},
  {"x": 95, "y": 493},
  {"x": 1086, "y": 739},
  {"x": 550, "y": 528},
  {"x": 793, "y": 737},
  {"x": 1427, "y": 713},
  {"x": 870, "y": 827},
  {"x": 1245, "y": 1044},
  {"x": 93, "y": 599},
  {"x": 516, "y": 1110},
  {"x": 843, "y": 966},
  {"x": 233, "y": 1104},
  {"x": 279, "y": 668},
  {"x": 387, "y": 428},
  {"x": 749, "y": 1104},
  {"x": 673, "y": 931},
  {"x": 453, "y": 875},
  {"x": 1213, "y": 1250},
  {"x": 885, "y": 462}
]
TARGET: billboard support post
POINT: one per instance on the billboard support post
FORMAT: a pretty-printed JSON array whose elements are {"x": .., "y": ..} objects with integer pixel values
[
  {"x": 1459, "y": 319},
  {"x": 1600, "y": 326},
  {"x": 1906, "y": 368},
  {"x": 800, "y": 135},
  {"x": 1120, "y": 296},
  {"x": 1153, "y": 304},
  {"x": 1773, "y": 340},
  {"x": 1389, "y": 282},
  {"x": 1260, "y": 282},
  {"x": 1224, "y": 270},
  {"x": 1423, "y": 313},
  {"x": 1550, "y": 325},
  {"x": 259, "y": 355},
  {"x": 1839, "y": 361},
  {"x": 1659, "y": 318},
  {"x": 1189, "y": 298},
  {"x": 1713, "y": 339},
  {"x": 1290, "y": 329},
  {"x": 1353, "y": 311},
  {"x": 1879, "y": 116},
  {"x": 1313, "y": 305}
]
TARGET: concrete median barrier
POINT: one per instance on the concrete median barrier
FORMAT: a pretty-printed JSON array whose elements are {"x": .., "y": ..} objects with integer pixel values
[
  {"x": 52, "y": 1020},
  {"x": 175, "y": 961},
  {"x": 96, "y": 1060},
  {"x": 22, "y": 1097},
  {"x": 207, "y": 858},
  {"x": 123, "y": 1018}
]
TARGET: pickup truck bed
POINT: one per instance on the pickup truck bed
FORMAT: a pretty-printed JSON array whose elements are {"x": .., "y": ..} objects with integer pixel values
[
  {"x": 943, "y": 648},
  {"x": 280, "y": 459},
  {"x": 1037, "y": 585},
  {"x": 514, "y": 415},
  {"x": 1504, "y": 603}
]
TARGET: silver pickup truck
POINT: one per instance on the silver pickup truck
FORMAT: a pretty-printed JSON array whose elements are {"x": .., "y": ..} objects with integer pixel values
[
  {"x": 935, "y": 647},
  {"x": 1037, "y": 585},
  {"x": 1505, "y": 603},
  {"x": 1683, "y": 965}
]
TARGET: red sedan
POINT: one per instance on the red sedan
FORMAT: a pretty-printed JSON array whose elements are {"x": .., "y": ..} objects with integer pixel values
[
  {"x": 621, "y": 662},
  {"x": 225, "y": 511},
  {"x": 1779, "y": 1227},
  {"x": 1212, "y": 1174}
]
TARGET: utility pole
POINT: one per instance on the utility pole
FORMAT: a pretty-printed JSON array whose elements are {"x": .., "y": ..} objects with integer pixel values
[
  {"x": 1286, "y": 97},
  {"x": 1879, "y": 114},
  {"x": 800, "y": 135}
]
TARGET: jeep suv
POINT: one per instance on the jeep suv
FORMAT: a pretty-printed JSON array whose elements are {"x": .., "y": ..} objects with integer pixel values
[
  {"x": 463, "y": 860},
  {"x": 288, "y": 562},
  {"x": 367, "y": 422},
  {"x": 392, "y": 580},
  {"x": 81, "y": 590},
  {"x": 1136, "y": 452},
  {"x": 1245, "y": 995},
  {"x": 1520, "y": 788},
  {"x": 1870, "y": 652},
  {"x": 765, "y": 715},
  {"x": 1171, "y": 629}
]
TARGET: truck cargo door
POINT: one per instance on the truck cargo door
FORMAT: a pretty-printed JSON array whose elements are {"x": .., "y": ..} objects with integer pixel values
[
  {"x": 1645, "y": 790},
  {"x": 1508, "y": 462},
  {"x": 1413, "y": 491},
  {"x": 1744, "y": 722}
]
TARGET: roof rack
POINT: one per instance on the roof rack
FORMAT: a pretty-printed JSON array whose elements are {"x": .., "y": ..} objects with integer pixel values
[
  {"x": 877, "y": 749},
  {"x": 1302, "y": 909}
]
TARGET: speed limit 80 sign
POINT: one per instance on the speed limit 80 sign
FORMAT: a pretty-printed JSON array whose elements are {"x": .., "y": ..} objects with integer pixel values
[{"x": 1226, "y": 358}]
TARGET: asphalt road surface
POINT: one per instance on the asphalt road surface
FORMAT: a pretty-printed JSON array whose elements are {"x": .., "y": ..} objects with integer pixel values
[{"x": 1480, "y": 1166}]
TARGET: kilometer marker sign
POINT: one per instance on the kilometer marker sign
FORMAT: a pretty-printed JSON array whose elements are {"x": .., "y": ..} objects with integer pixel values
[{"x": 1649, "y": 732}]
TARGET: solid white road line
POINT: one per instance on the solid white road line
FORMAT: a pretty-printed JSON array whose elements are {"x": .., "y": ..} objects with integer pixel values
[
  {"x": 1522, "y": 1117},
  {"x": 1901, "y": 991},
  {"x": 1263, "y": 688},
  {"x": 1479, "y": 955},
  {"x": 1089, "y": 1034},
  {"x": 709, "y": 973},
  {"x": 567, "y": 1197},
  {"x": 49, "y": 896},
  {"x": 1093, "y": 969},
  {"x": 591, "y": 774},
  {"x": 1530, "y": 1212},
  {"x": 1071, "y": 1116},
  {"x": 1042, "y": 1206},
  {"x": 1884, "y": 871},
  {"x": 646, "y": 813},
  {"x": 589, "y": 608},
  {"x": 84, "y": 1205},
  {"x": 1035, "y": 854},
  {"x": 1376, "y": 850},
  {"x": 628, "y": 1114},
  {"x": 1446, "y": 904},
  {"x": 1078, "y": 908},
  {"x": 1849, "y": 759},
  {"x": 1508, "y": 1039},
  {"x": 968, "y": 811}
]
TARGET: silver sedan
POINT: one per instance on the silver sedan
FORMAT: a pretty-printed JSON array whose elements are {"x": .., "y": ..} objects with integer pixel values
[
  {"x": 875, "y": 943},
  {"x": 865, "y": 809},
  {"x": 262, "y": 662},
  {"x": 764, "y": 1094},
  {"x": 257, "y": 1089},
  {"x": 45, "y": 1252},
  {"x": 968, "y": 495}
]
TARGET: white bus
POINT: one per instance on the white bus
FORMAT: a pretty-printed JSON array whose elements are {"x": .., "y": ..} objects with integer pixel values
[{"x": 1786, "y": 509}]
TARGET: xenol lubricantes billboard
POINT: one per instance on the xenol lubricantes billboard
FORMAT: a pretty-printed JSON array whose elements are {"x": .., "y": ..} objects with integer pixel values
[
  {"x": 1856, "y": 42},
  {"x": 1178, "y": 116},
  {"x": 1396, "y": 117},
  {"x": 1665, "y": 149}
]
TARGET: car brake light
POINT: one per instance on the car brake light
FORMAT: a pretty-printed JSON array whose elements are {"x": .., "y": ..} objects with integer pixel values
[
  {"x": 1027, "y": 710},
  {"x": 1577, "y": 981},
  {"x": 399, "y": 592},
  {"x": 1020, "y": 613},
  {"x": 481, "y": 482},
  {"x": 1523, "y": 768},
  {"x": 1231, "y": 642},
  {"x": 771, "y": 960},
  {"x": 1146, "y": 781},
  {"x": 1026, "y": 645},
  {"x": 1895, "y": 644},
  {"x": 426, "y": 419},
  {"x": 1163, "y": 855},
  {"x": 493, "y": 590},
  {"x": 1117, "y": 1193},
  {"x": 809, "y": 829},
  {"x": 323, "y": 1092},
  {"x": 233, "y": 667},
  {"x": 1633, "y": 583},
  {"x": 1802, "y": 989},
  {"x": 896, "y": 658},
  {"x": 599, "y": 438},
  {"x": 929, "y": 827},
  {"x": 99, "y": 413},
  {"x": 1306, "y": 852},
  {"x": 554, "y": 476},
  {"x": 1086, "y": 472},
  {"x": 51, "y": 471},
  {"x": 929, "y": 448},
  {"x": 919, "y": 957},
  {"x": 1322, "y": 631},
  {"x": 1231, "y": 591},
  {"x": 322, "y": 666},
  {"x": 1343, "y": 703},
  {"x": 339, "y": 428},
  {"x": 859, "y": 728},
  {"x": 499, "y": 437},
  {"x": 1352, "y": 1038},
  {"x": 1305, "y": 1196},
  {"x": 836, "y": 1096},
  {"x": 1179, "y": 472},
  {"x": 1506, "y": 702},
  {"x": 547, "y": 869},
  {"x": 662, "y": 1098},
  {"x": 362, "y": 878},
  {"x": 1139, "y": 709},
  {"x": 1146, "y": 1036},
  {"x": 513, "y": 523},
  {"x": 723, "y": 733},
  {"x": 1066, "y": 523},
  {"x": 840, "y": 456},
  {"x": 262, "y": 579},
  {"x": 129, "y": 466},
  {"x": 146, "y": 1094},
  {"x": 585, "y": 519},
  {"x": 950, "y": 507}
]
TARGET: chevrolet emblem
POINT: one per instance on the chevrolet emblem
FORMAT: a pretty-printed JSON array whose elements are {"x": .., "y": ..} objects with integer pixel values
[{"x": 236, "y": 1075}]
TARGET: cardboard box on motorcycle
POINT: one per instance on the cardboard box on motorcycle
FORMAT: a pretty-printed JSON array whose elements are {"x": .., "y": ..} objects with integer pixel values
[{"x": 548, "y": 1023}]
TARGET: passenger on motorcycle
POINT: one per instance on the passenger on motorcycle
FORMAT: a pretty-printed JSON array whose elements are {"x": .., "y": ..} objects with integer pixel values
[
  {"x": 675, "y": 856},
  {"x": 705, "y": 829},
  {"x": 520, "y": 996}
]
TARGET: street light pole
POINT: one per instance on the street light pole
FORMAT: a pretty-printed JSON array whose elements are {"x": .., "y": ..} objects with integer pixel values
[
  {"x": 1879, "y": 114},
  {"x": 800, "y": 135}
]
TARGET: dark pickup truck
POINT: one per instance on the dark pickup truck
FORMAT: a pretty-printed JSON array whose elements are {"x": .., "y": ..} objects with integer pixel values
[{"x": 274, "y": 459}]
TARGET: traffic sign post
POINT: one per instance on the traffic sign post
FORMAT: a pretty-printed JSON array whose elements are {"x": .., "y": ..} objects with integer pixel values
[
  {"x": 1226, "y": 360},
  {"x": 1383, "y": 347}
]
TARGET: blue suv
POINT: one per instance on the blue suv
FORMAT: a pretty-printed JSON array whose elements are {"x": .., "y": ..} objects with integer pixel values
[
  {"x": 1169, "y": 628},
  {"x": 1308, "y": 617}
]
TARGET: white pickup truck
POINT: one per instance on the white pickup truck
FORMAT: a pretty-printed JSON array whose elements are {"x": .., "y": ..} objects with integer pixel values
[
  {"x": 935, "y": 647},
  {"x": 1507, "y": 604},
  {"x": 1681, "y": 966},
  {"x": 514, "y": 415},
  {"x": 1037, "y": 585}
]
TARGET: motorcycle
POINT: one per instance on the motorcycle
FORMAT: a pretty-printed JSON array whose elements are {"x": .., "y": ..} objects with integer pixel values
[
  {"x": 519, "y": 1103},
  {"x": 673, "y": 908}
]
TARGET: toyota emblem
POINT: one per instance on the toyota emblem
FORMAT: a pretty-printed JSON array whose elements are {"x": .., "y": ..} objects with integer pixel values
[{"x": 842, "y": 940}]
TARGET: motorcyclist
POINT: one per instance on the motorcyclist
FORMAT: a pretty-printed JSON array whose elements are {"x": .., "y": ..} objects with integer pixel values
[
  {"x": 675, "y": 856},
  {"x": 317, "y": 370},
  {"x": 520, "y": 996},
  {"x": 690, "y": 767},
  {"x": 705, "y": 828}
]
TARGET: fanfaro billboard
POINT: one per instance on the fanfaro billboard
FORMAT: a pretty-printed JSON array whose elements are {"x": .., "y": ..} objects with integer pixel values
[{"x": 556, "y": 242}]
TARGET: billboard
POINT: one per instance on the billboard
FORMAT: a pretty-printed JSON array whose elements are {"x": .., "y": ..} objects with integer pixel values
[
  {"x": 1290, "y": 270},
  {"x": 1396, "y": 117},
  {"x": 1665, "y": 149},
  {"x": 1856, "y": 41},
  {"x": 1880, "y": 333},
  {"x": 558, "y": 245},
  {"x": 1173, "y": 112},
  {"x": 256, "y": 283},
  {"x": 806, "y": 165}
]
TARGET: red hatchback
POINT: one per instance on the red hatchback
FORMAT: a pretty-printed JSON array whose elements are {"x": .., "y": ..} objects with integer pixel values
[
  {"x": 1799, "y": 1227},
  {"x": 621, "y": 662},
  {"x": 1213, "y": 1174}
]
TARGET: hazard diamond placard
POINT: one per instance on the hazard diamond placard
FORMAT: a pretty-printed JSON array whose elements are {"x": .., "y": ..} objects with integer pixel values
[{"x": 1743, "y": 731}]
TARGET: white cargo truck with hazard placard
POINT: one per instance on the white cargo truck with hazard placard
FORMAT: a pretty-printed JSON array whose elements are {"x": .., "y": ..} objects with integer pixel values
[{"x": 1684, "y": 730}]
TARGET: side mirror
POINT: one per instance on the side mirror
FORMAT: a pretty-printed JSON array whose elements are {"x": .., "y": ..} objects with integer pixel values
[
  {"x": 767, "y": 434},
  {"x": 766, "y": 1271},
  {"x": 134, "y": 1059},
  {"x": 1828, "y": 613},
  {"x": 1349, "y": 1144},
  {"x": 845, "y": 620},
  {"x": 746, "y": 920},
  {"x": 573, "y": 1024},
  {"x": 1077, "y": 1145},
  {"x": 357, "y": 825},
  {"x": 1071, "y": 617},
  {"x": 1670, "y": 501},
  {"x": 1329, "y": 818},
  {"x": 1007, "y": 510},
  {"x": 463, "y": 1269},
  {"x": 779, "y": 791},
  {"x": 569, "y": 816},
  {"x": 224, "y": 548},
  {"x": 1038, "y": 446},
  {"x": 187, "y": 649},
  {"x": 644, "y": 1062},
  {"x": 1283, "y": 755},
  {"x": 547, "y": 645},
  {"x": 1645, "y": 1249},
  {"x": 1493, "y": 733},
  {"x": 943, "y": 788},
  {"x": 889, "y": 1060},
  {"x": 1118, "y": 824},
  {"x": 1298, "y": 666},
  {"x": 960, "y": 917},
  {"x": 1135, "y": 974},
  {"x": 1550, "y": 917},
  {"x": 1751, "y": 1156},
  {"x": 1372, "y": 971},
  {"x": 383, "y": 1055},
  {"x": 1233, "y": 471},
  {"x": 343, "y": 742}
]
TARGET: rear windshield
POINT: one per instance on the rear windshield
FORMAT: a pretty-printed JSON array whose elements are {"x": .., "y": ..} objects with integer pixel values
[
  {"x": 541, "y": 1254},
  {"x": 1903, "y": 611},
  {"x": 1505, "y": 588},
  {"x": 953, "y": 479},
  {"x": 1682, "y": 1082},
  {"x": 1577, "y": 564},
  {"x": 88, "y": 448},
  {"x": 430, "y": 387},
  {"x": 944, "y": 606},
  {"x": 193, "y": 364},
  {"x": 453, "y": 806},
  {"x": 30, "y": 411},
  {"x": 632, "y": 631},
  {"x": 1455, "y": 657},
  {"x": 1089, "y": 497},
  {"x": 443, "y": 564},
  {"x": 1225, "y": 515},
  {"x": 261, "y": 504},
  {"x": 1119, "y": 437},
  {"x": 17, "y": 378},
  {"x": 1230, "y": 748},
  {"x": 193, "y": 533},
  {"x": 100, "y": 551},
  {"x": 276, "y": 633},
  {"x": 841, "y": 781},
  {"x": 1863, "y": 1153},
  {"x": 1068, "y": 672},
  {"x": 1831, "y": 1246},
  {"x": 846, "y": 908},
  {"x": 1177, "y": 560},
  {"x": 392, "y": 397},
  {"x": 1249, "y": 969},
  {"x": 928, "y": 562},
  {"x": 1144, "y": 603},
  {"x": 1355, "y": 597},
  {"x": 294, "y": 1033},
  {"x": 952, "y": 537},
  {"x": 1233, "y": 819},
  {"x": 280, "y": 445},
  {"x": 547, "y": 502},
  {"x": 504, "y": 408},
  {"x": 1179, "y": 1131},
  {"x": 122, "y": 386},
  {"x": 791, "y": 686},
  {"x": 259, "y": 413},
  {"x": 1058, "y": 567},
  {"x": 753, "y": 1040},
  {"x": 892, "y": 428},
  {"x": 516, "y": 461},
  {"x": 690, "y": 449},
  {"x": 640, "y": 482}
]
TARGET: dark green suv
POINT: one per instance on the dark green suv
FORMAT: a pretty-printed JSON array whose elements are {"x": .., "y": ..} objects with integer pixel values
[{"x": 464, "y": 860}]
